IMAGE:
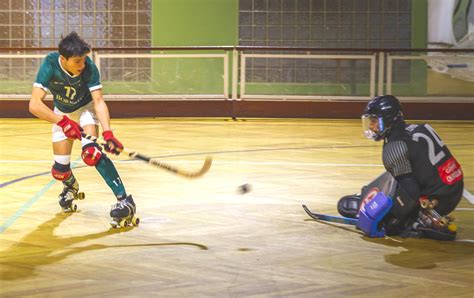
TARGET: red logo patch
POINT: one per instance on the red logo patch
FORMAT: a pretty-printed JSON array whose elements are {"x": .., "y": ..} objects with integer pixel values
[
  {"x": 369, "y": 196},
  {"x": 450, "y": 171}
]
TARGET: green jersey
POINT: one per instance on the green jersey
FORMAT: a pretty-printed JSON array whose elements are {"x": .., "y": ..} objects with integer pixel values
[{"x": 69, "y": 92}]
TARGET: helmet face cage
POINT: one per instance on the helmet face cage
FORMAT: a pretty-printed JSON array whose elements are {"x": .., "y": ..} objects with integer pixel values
[
  {"x": 380, "y": 115},
  {"x": 373, "y": 126}
]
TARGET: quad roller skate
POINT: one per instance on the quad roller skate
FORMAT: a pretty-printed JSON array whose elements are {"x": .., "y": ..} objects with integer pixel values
[
  {"x": 123, "y": 213},
  {"x": 68, "y": 195},
  {"x": 431, "y": 224}
]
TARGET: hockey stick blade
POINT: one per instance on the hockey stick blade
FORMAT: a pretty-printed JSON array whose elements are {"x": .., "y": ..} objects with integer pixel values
[
  {"x": 188, "y": 174},
  {"x": 134, "y": 154},
  {"x": 330, "y": 218}
]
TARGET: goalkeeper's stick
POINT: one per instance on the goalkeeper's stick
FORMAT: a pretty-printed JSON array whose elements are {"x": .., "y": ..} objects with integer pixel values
[{"x": 134, "y": 154}]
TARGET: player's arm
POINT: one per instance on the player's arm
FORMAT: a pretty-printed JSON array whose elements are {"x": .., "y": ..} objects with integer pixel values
[
  {"x": 38, "y": 108},
  {"x": 396, "y": 161},
  {"x": 410, "y": 186},
  {"x": 102, "y": 111}
]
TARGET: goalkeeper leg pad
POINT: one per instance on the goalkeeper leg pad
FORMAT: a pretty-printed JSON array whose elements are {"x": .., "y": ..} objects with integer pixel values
[
  {"x": 348, "y": 206},
  {"x": 372, "y": 213}
]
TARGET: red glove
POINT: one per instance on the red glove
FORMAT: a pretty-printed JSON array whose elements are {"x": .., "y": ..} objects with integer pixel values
[
  {"x": 70, "y": 128},
  {"x": 113, "y": 145}
]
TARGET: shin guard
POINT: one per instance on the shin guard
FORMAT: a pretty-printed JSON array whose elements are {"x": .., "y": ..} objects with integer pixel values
[{"x": 107, "y": 170}]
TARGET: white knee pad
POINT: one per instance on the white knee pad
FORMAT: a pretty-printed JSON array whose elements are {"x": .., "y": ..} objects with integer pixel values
[
  {"x": 62, "y": 159},
  {"x": 85, "y": 141}
]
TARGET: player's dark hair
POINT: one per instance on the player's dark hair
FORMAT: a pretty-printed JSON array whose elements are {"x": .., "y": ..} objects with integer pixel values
[{"x": 73, "y": 45}]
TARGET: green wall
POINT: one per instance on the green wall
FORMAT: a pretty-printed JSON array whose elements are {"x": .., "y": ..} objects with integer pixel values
[
  {"x": 195, "y": 22},
  {"x": 192, "y": 23}
]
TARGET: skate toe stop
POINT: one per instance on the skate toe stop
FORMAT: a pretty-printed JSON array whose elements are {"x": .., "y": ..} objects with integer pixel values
[{"x": 452, "y": 227}]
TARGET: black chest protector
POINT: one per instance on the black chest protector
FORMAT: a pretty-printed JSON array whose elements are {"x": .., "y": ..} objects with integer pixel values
[{"x": 418, "y": 150}]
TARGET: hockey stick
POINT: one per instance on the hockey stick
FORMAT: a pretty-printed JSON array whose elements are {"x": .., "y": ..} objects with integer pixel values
[
  {"x": 134, "y": 154},
  {"x": 330, "y": 218}
]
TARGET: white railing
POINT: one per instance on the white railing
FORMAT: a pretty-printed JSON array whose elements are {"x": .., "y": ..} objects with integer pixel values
[
  {"x": 389, "y": 85},
  {"x": 377, "y": 81},
  {"x": 244, "y": 95},
  {"x": 225, "y": 94}
]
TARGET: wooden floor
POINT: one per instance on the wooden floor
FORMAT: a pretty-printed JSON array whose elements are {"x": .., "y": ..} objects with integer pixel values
[{"x": 201, "y": 237}]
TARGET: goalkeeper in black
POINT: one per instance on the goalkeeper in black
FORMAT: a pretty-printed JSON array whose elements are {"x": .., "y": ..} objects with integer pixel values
[{"x": 421, "y": 164}]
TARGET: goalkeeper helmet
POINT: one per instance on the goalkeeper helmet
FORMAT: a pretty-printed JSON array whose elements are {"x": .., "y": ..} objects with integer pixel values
[{"x": 379, "y": 116}]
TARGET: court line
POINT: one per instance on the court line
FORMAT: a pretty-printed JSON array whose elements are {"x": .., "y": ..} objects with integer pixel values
[
  {"x": 9, "y": 221},
  {"x": 220, "y": 162},
  {"x": 467, "y": 197},
  {"x": 182, "y": 162},
  {"x": 25, "y": 206},
  {"x": 21, "y": 179},
  {"x": 466, "y": 194},
  {"x": 464, "y": 240},
  {"x": 270, "y": 149}
]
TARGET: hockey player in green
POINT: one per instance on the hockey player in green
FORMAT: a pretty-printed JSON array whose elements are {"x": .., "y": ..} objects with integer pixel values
[{"x": 79, "y": 106}]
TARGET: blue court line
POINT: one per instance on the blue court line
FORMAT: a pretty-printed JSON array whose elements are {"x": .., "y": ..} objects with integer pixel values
[
  {"x": 31, "y": 201},
  {"x": 32, "y": 176},
  {"x": 25, "y": 207},
  {"x": 22, "y": 178}
]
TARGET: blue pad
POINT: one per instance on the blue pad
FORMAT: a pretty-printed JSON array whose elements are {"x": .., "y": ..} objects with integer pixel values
[{"x": 372, "y": 213}]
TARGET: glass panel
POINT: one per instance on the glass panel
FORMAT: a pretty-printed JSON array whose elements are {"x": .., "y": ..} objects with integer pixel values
[{"x": 102, "y": 23}]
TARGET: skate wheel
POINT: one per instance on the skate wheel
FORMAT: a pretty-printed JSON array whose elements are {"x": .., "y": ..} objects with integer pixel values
[
  {"x": 113, "y": 223},
  {"x": 123, "y": 223},
  {"x": 415, "y": 225},
  {"x": 73, "y": 207},
  {"x": 424, "y": 204},
  {"x": 444, "y": 221},
  {"x": 452, "y": 227},
  {"x": 81, "y": 196},
  {"x": 69, "y": 209},
  {"x": 135, "y": 221}
]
